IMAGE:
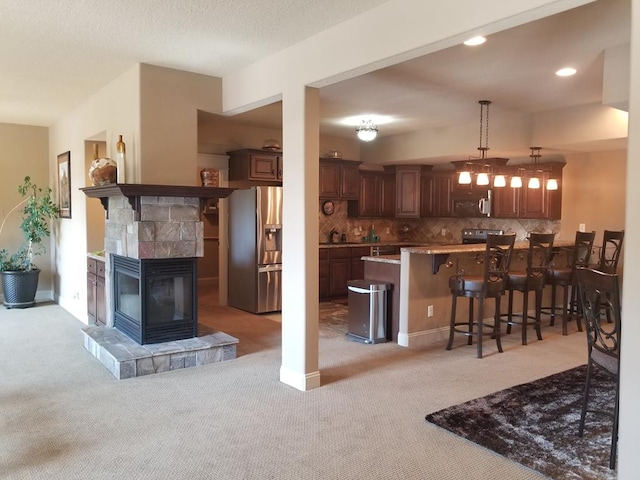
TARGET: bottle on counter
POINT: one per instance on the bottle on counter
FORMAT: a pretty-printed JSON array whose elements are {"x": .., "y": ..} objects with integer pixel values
[{"x": 372, "y": 233}]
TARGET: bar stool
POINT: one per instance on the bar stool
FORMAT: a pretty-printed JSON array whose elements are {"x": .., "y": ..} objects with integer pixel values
[
  {"x": 610, "y": 251},
  {"x": 497, "y": 258},
  {"x": 565, "y": 277},
  {"x": 532, "y": 279}
]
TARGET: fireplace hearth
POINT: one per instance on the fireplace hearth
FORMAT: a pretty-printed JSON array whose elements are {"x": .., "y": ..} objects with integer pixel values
[{"x": 155, "y": 300}]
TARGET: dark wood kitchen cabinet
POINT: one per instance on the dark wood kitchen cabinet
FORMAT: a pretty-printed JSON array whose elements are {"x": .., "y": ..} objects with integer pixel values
[
  {"x": 337, "y": 266},
  {"x": 255, "y": 165},
  {"x": 435, "y": 194},
  {"x": 96, "y": 301},
  {"x": 339, "y": 179},
  {"x": 377, "y": 196},
  {"x": 408, "y": 189},
  {"x": 525, "y": 202}
]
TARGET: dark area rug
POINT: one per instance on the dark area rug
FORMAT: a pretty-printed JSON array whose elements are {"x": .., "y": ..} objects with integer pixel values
[{"x": 536, "y": 424}]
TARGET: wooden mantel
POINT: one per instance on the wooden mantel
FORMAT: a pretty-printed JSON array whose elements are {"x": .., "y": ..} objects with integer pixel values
[{"x": 133, "y": 192}]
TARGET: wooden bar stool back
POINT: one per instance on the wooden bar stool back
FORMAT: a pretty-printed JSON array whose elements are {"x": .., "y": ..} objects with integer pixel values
[
  {"x": 565, "y": 277},
  {"x": 600, "y": 292},
  {"x": 531, "y": 279},
  {"x": 491, "y": 284},
  {"x": 610, "y": 251}
]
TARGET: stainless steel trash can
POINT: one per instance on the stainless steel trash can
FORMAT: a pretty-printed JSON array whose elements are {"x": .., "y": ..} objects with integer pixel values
[{"x": 367, "y": 317}]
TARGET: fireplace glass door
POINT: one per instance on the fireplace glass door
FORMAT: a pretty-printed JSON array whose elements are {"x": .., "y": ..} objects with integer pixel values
[{"x": 155, "y": 299}]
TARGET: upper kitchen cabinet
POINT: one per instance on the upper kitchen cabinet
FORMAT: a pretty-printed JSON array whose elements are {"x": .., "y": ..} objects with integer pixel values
[
  {"x": 377, "y": 196},
  {"x": 339, "y": 179},
  {"x": 408, "y": 190},
  {"x": 435, "y": 194},
  {"x": 261, "y": 166},
  {"x": 525, "y": 202}
]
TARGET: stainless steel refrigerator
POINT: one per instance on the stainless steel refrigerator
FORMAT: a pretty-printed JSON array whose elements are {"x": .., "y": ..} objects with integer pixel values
[{"x": 255, "y": 249}]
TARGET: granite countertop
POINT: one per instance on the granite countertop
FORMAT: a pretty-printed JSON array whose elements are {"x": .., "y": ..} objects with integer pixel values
[
  {"x": 472, "y": 248},
  {"x": 392, "y": 259},
  {"x": 367, "y": 244}
]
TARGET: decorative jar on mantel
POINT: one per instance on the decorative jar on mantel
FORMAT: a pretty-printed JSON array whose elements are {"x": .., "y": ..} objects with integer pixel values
[{"x": 102, "y": 171}]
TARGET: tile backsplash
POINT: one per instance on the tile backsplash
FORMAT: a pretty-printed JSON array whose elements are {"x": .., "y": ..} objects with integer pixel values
[{"x": 421, "y": 230}]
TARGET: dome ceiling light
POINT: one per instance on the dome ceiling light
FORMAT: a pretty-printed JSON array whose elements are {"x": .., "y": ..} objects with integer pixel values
[{"x": 367, "y": 130}]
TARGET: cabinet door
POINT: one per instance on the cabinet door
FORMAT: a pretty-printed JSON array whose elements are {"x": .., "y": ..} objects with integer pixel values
[
  {"x": 442, "y": 188},
  {"x": 369, "y": 202},
  {"x": 387, "y": 195},
  {"x": 101, "y": 302},
  {"x": 505, "y": 202},
  {"x": 329, "y": 180},
  {"x": 279, "y": 167},
  {"x": 339, "y": 273},
  {"x": 427, "y": 192},
  {"x": 350, "y": 182},
  {"x": 408, "y": 192},
  {"x": 91, "y": 297},
  {"x": 323, "y": 273},
  {"x": 263, "y": 167},
  {"x": 535, "y": 201}
]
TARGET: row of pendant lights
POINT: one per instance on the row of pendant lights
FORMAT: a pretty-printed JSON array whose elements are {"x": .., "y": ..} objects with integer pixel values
[{"x": 500, "y": 180}]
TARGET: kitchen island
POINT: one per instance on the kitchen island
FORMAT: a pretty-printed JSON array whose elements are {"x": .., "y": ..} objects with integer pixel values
[{"x": 421, "y": 295}]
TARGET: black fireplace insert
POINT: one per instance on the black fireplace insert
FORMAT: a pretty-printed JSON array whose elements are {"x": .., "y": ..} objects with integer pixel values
[{"x": 155, "y": 300}]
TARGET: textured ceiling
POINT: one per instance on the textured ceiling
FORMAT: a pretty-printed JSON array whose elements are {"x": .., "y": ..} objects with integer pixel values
[{"x": 54, "y": 54}]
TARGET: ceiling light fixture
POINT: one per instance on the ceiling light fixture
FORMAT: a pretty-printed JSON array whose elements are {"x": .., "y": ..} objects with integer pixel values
[
  {"x": 566, "y": 72},
  {"x": 482, "y": 178},
  {"x": 367, "y": 130},
  {"x": 472, "y": 42}
]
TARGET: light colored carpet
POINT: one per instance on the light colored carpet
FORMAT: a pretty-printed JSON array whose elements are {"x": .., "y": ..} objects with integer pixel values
[{"x": 63, "y": 416}]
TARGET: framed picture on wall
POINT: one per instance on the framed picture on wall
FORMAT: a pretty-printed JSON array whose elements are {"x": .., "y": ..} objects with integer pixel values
[{"x": 64, "y": 184}]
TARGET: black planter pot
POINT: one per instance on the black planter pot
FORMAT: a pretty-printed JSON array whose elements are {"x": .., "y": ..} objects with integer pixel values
[{"x": 19, "y": 288}]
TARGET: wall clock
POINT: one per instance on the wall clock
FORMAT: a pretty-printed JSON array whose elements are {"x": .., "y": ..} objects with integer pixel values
[{"x": 328, "y": 207}]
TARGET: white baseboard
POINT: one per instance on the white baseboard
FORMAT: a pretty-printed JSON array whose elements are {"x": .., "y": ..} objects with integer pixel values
[
  {"x": 436, "y": 336},
  {"x": 302, "y": 382}
]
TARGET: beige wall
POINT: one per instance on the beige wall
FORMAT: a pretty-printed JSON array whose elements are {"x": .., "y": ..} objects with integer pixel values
[
  {"x": 25, "y": 151},
  {"x": 593, "y": 192},
  {"x": 169, "y": 104}
]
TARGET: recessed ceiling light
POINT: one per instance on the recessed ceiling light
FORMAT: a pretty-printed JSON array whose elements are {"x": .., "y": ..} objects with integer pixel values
[
  {"x": 566, "y": 72},
  {"x": 472, "y": 42}
]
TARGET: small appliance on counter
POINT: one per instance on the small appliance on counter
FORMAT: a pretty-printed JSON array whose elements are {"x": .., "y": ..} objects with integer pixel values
[{"x": 478, "y": 235}]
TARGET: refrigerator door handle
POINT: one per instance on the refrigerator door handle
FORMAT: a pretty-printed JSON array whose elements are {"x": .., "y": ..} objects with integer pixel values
[{"x": 270, "y": 268}]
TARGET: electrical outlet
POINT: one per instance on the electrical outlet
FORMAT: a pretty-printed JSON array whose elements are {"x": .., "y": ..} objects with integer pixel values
[
  {"x": 430, "y": 311},
  {"x": 76, "y": 295},
  {"x": 443, "y": 232},
  {"x": 582, "y": 227}
]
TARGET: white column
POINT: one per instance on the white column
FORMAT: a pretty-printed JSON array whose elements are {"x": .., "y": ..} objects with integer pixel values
[
  {"x": 629, "y": 434},
  {"x": 300, "y": 117}
]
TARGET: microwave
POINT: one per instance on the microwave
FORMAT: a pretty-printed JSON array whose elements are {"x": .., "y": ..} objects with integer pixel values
[{"x": 472, "y": 206}]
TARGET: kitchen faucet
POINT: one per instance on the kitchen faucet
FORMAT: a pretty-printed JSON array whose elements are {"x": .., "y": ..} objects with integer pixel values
[{"x": 331, "y": 234}]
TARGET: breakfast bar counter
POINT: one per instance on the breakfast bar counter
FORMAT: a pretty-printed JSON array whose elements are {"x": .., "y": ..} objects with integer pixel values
[{"x": 420, "y": 299}]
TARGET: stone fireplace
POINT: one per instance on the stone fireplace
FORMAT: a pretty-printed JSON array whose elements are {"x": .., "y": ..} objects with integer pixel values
[{"x": 153, "y": 235}]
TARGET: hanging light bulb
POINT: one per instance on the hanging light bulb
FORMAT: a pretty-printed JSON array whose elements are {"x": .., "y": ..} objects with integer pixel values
[
  {"x": 482, "y": 179},
  {"x": 464, "y": 178},
  {"x": 499, "y": 181},
  {"x": 534, "y": 182},
  {"x": 516, "y": 180}
]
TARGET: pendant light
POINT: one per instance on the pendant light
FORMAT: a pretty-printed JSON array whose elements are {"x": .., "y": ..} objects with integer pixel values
[{"x": 534, "y": 180}]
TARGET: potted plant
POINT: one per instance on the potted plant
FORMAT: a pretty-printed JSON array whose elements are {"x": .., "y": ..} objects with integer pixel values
[{"x": 18, "y": 273}]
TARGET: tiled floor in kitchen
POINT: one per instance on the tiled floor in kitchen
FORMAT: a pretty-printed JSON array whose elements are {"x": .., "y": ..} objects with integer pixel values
[{"x": 258, "y": 332}]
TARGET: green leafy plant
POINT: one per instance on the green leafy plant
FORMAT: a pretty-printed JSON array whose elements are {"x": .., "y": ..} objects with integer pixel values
[{"x": 38, "y": 208}]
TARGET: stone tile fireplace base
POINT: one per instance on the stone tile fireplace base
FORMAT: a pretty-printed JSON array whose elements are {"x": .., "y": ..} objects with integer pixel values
[{"x": 125, "y": 358}]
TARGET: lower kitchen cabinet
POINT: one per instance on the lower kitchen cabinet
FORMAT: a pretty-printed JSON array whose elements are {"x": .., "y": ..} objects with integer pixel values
[
  {"x": 96, "y": 301},
  {"x": 338, "y": 266}
]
